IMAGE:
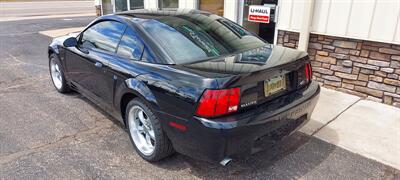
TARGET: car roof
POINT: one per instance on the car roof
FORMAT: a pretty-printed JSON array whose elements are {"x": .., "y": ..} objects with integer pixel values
[
  {"x": 157, "y": 13},
  {"x": 139, "y": 16}
]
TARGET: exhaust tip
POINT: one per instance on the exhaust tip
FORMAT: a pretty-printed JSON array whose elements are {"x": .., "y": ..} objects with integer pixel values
[{"x": 225, "y": 161}]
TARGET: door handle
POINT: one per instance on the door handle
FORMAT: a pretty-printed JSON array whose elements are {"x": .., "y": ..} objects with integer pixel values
[{"x": 98, "y": 64}]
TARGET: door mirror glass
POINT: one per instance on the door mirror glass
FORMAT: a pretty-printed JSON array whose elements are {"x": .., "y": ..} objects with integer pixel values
[{"x": 70, "y": 42}]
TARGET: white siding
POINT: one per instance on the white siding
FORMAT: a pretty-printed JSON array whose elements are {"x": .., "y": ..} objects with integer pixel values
[
  {"x": 397, "y": 33},
  {"x": 338, "y": 17},
  {"x": 231, "y": 9},
  {"x": 297, "y": 10},
  {"x": 150, "y": 4},
  {"x": 385, "y": 20},
  {"x": 188, "y": 4},
  {"x": 320, "y": 16},
  {"x": 375, "y": 20},
  {"x": 285, "y": 14},
  {"x": 359, "y": 27}
]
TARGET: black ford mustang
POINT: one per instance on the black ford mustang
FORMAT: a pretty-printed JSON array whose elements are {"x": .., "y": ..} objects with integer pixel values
[{"x": 187, "y": 81}]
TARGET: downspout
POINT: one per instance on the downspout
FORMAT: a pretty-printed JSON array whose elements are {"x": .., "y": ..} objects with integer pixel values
[
  {"x": 306, "y": 25},
  {"x": 239, "y": 18},
  {"x": 276, "y": 19}
]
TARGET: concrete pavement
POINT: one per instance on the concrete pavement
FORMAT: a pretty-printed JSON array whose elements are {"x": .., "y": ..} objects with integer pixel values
[
  {"x": 330, "y": 105},
  {"x": 365, "y": 127},
  {"x": 60, "y": 32},
  {"x": 12, "y": 11}
]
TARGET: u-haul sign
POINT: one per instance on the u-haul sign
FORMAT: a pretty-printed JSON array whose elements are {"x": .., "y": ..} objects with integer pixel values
[{"x": 259, "y": 14}]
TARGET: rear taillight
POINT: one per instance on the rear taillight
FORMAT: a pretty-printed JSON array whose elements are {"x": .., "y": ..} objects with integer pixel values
[
  {"x": 218, "y": 102},
  {"x": 308, "y": 72},
  {"x": 304, "y": 75}
]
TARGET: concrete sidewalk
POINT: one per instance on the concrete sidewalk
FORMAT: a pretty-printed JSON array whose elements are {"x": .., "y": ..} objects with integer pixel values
[
  {"x": 17, "y": 11},
  {"x": 368, "y": 128}
]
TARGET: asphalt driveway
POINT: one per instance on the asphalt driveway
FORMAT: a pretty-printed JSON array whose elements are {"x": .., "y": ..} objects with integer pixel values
[{"x": 47, "y": 135}]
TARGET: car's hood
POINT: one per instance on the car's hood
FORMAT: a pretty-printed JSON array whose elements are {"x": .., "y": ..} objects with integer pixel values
[{"x": 249, "y": 61}]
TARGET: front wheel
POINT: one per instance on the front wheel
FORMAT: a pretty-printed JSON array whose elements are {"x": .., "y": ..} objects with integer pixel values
[
  {"x": 57, "y": 74},
  {"x": 145, "y": 131}
]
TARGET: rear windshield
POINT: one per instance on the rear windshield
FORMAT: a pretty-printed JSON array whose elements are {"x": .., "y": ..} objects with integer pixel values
[{"x": 194, "y": 37}]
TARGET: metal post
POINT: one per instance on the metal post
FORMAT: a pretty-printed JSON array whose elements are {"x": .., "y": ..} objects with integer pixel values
[
  {"x": 276, "y": 20},
  {"x": 306, "y": 25}
]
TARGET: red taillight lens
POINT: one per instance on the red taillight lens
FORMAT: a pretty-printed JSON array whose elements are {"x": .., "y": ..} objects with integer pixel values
[
  {"x": 218, "y": 102},
  {"x": 308, "y": 72}
]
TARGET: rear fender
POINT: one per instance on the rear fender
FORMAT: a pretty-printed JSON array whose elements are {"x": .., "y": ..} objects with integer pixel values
[{"x": 139, "y": 89}]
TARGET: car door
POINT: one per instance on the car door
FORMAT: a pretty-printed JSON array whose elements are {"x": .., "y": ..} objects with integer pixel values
[
  {"x": 130, "y": 50},
  {"x": 132, "y": 58},
  {"x": 88, "y": 65}
]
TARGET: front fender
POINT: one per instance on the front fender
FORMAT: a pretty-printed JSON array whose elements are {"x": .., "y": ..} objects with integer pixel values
[
  {"x": 53, "y": 48},
  {"x": 57, "y": 43}
]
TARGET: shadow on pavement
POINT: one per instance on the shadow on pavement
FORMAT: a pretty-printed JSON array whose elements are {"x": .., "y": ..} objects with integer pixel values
[{"x": 293, "y": 157}]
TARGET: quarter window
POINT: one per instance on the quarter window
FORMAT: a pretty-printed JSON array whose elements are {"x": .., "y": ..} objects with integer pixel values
[
  {"x": 148, "y": 56},
  {"x": 104, "y": 35},
  {"x": 131, "y": 46}
]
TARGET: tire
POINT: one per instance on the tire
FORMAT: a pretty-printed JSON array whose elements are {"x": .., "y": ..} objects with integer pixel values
[
  {"x": 162, "y": 145},
  {"x": 57, "y": 74}
]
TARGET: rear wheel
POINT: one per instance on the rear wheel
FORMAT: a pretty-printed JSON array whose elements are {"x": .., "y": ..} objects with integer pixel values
[
  {"x": 145, "y": 131},
  {"x": 57, "y": 74}
]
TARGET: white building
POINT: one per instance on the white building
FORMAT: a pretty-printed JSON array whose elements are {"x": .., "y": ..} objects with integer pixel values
[
  {"x": 354, "y": 44},
  {"x": 376, "y": 20}
]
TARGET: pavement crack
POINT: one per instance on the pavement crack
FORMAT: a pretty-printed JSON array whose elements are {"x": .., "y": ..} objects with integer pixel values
[
  {"x": 22, "y": 62},
  {"x": 23, "y": 84},
  {"x": 18, "y": 34},
  {"x": 333, "y": 119},
  {"x": 73, "y": 139},
  {"x": 390, "y": 173}
]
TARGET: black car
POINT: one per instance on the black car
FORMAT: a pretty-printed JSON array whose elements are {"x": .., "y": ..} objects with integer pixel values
[{"x": 187, "y": 81}]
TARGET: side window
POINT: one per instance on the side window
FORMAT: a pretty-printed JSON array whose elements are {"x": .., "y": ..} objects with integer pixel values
[
  {"x": 147, "y": 56},
  {"x": 104, "y": 35},
  {"x": 131, "y": 46}
]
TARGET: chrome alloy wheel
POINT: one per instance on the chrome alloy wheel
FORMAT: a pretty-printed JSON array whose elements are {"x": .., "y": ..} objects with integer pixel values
[
  {"x": 56, "y": 74},
  {"x": 141, "y": 130}
]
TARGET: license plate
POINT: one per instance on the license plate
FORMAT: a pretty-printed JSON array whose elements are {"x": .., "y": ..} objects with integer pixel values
[{"x": 274, "y": 85}]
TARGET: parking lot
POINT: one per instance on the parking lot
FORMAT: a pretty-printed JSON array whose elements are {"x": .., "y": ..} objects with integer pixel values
[{"x": 47, "y": 135}]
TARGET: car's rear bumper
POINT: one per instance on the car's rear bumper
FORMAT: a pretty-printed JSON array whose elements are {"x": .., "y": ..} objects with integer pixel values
[{"x": 243, "y": 133}]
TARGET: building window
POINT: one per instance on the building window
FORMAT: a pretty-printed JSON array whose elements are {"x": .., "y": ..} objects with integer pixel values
[
  {"x": 168, "y": 3},
  {"x": 122, "y": 5},
  {"x": 212, "y": 6},
  {"x": 136, "y": 4}
]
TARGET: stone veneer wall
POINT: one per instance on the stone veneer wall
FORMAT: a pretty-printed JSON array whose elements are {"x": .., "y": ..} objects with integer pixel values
[
  {"x": 363, "y": 68},
  {"x": 288, "y": 39}
]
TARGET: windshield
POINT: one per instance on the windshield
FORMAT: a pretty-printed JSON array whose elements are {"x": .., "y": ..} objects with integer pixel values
[{"x": 193, "y": 37}]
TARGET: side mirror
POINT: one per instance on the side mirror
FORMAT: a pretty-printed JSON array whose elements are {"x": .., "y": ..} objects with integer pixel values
[{"x": 70, "y": 42}]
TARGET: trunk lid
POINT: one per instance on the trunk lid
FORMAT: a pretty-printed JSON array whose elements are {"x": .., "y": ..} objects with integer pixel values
[{"x": 251, "y": 69}]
